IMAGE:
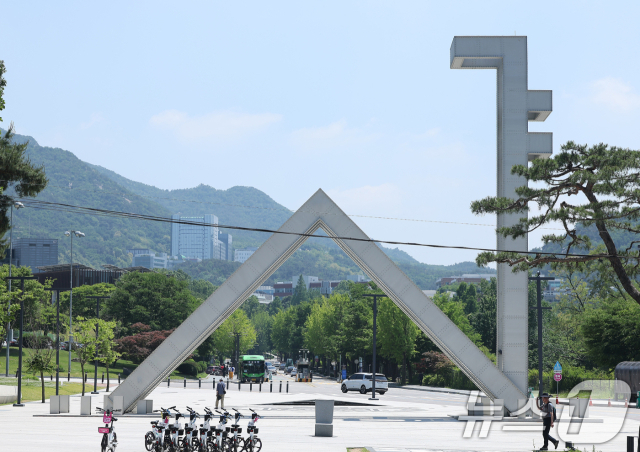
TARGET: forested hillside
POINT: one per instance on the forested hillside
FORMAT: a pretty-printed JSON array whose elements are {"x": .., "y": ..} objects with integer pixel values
[{"x": 74, "y": 182}]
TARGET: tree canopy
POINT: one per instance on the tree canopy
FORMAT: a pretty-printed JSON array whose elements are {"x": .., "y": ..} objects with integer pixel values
[{"x": 589, "y": 186}]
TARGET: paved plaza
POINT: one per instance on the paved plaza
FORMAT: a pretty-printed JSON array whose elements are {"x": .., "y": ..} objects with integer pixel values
[{"x": 403, "y": 420}]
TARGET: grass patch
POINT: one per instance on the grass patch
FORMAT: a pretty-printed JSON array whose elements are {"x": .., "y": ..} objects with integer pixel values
[
  {"x": 32, "y": 391},
  {"x": 357, "y": 449},
  {"x": 117, "y": 368}
]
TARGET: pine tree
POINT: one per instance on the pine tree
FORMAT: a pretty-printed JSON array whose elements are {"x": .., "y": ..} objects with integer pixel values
[{"x": 589, "y": 186}]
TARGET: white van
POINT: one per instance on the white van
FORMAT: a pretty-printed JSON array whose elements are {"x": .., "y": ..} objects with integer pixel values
[{"x": 362, "y": 382}]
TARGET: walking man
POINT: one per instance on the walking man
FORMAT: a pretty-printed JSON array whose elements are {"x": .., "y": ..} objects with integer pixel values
[
  {"x": 220, "y": 392},
  {"x": 548, "y": 418}
]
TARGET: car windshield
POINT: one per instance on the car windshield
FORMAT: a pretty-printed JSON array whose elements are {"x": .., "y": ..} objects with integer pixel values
[{"x": 253, "y": 366}]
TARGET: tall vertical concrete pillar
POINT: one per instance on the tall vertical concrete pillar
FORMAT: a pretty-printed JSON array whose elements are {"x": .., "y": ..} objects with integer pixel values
[{"x": 516, "y": 105}]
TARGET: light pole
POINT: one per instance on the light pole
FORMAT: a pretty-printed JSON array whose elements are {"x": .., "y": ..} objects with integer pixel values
[
  {"x": 17, "y": 205},
  {"x": 71, "y": 234},
  {"x": 375, "y": 327},
  {"x": 539, "y": 307},
  {"x": 55, "y": 293},
  {"x": 19, "y": 372},
  {"x": 95, "y": 361}
]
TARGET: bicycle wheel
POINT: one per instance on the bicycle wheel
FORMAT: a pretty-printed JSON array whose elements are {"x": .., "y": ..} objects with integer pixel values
[
  {"x": 257, "y": 445},
  {"x": 103, "y": 443},
  {"x": 148, "y": 440}
]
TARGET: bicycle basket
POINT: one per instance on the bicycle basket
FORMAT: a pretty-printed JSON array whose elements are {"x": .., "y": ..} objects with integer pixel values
[
  {"x": 103, "y": 429},
  {"x": 255, "y": 430},
  {"x": 106, "y": 418}
]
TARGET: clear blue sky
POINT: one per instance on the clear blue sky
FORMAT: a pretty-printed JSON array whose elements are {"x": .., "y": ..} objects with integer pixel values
[{"x": 356, "y": 98}]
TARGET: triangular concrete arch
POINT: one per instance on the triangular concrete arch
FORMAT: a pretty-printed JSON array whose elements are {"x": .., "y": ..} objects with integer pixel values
[{"x": 318, "y": 212}]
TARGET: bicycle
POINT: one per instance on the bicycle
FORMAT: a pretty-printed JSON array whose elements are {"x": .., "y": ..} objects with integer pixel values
[
  {"x": 235, "y": 443},
  {"x": 190, "y": 441},
  {"x": 205, "y": 438},
  {"x": 253, "y": 443},
  {"x": 176, "y": 431},
  {"x": 220, "y": 432},
  {"x": 154, "y": 439},
  {"x": 109, "y": 437}
]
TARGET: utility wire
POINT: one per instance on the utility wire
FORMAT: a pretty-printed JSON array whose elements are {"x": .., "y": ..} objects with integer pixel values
[
  {"x": 69, "y": 208},
  {"x": 122, "y": 195}
]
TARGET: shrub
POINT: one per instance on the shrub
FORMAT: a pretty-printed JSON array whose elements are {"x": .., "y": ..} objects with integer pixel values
[{"x": 189, "y": 367}]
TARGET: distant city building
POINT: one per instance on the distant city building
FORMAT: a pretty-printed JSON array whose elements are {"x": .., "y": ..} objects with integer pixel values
[
  {"x": 243, "y": 254},
  {"x": 137, "y": 251},
  {"x": 358, "y": 278},
  {"x": 554, "y": 290},
  {"x": 192, "y": 240},
  {"x": 34, "y": 253},
  {"x": 263, "y": 298},
  {"x": 468, "y": 278},
  {"x": 287, "y": 288},
  {"x": 225, "y": 246},
  {"x": 150, "y": 260},
  {"x": 266, "y": 290}
]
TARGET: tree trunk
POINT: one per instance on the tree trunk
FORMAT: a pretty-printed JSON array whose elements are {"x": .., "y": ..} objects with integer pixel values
[
  {"x": 616, "y": 263},
  {"x": 404, "y": 368},
  {"x": 82, "y": 376},
  {"x": 107, "y": 366},
  {"x": 42, "y": 382}
]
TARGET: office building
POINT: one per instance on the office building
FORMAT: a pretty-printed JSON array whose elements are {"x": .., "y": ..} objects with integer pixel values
[
  {"x": 243, "y": 254},
  {"x": 137, "y": 251},
  {"x": 195, "y": 237},
  {"x": 34, "y": 253},
  {"x": 150, "y": 260},
  {"x": 468, "y": 278},
  {"x": 226, "y": 246}
]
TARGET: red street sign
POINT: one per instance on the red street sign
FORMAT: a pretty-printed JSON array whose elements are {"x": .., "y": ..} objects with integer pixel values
[{"x": 557, "y": 377}]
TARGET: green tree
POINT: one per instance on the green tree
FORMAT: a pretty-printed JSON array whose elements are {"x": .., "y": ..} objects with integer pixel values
[
  {"x": 106, "y": 345},
  {"x": 275, "y": 306},
  {"x": 612, "y": 331},
  {"x": 3, "y": 83},
  {"x": 597, "y": 186},
  {"x": 397, "y": 334},
  {"x": 84, "y": 306},
  {"x": 251, "y": 306},
  {"x": 225, "y": 336},
  {"x": 467, "y": 294},
  {"x": 85, "y": 343},
  {"x": 160, "y": 301},
  {"x": 262, "y": 322},
  {"x": 484, "y": 319},
  {"x": 300, "y": 293}
]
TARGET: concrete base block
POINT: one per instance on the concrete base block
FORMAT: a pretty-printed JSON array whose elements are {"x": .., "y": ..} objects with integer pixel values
[
  {"x": 144, "y": 407},
  {"x": 324, "y": 429},
  {"x": 324, "y": 411},
  {"x": 8, "y": 394},
  {"x": 85, "y": 405},
  {"x": 64, "y": 403},
  {"x": 54, "y": 404},
  {"x": 118, "y": 404}
]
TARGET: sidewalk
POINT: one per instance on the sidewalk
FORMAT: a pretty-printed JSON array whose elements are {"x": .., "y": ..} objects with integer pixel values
[{"x": 433, "y": 389}]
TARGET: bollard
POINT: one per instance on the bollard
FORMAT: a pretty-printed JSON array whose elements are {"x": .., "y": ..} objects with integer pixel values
[
  {"x": 118, "y": 378},
  {"x": 250, "y": 386},
  {"x": 260, "y": 389},
  {"x": 271, "y": 387},
  {"x": 227, "y": 383},
  {"x": 85, "y": 377},
  {"x": 280, "y": 385},
  {"x": 287, "y": 387},
  {"x": 214, "y": 384},
  {"x": 51, "y": 378},
  {"x": 168, "y": 381},
  {"x": 238, "y": 385},
  {"x": 68, "y": 377},
  {"x": 199, "y": 383},
  {"x": 103, "y": 377},
  {"x": 185, "y": 383}
]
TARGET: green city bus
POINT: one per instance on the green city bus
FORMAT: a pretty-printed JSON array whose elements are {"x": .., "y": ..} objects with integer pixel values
[{"x": 251, "y": 368}]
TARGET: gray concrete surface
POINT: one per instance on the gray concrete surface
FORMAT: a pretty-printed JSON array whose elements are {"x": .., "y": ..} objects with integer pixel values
[{"x": 402, "y": 420}]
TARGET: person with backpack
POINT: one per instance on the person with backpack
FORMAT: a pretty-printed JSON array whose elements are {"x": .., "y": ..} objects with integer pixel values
[
  {"x": 220, "y": 392},
  {"x": 548, "y": 412}
]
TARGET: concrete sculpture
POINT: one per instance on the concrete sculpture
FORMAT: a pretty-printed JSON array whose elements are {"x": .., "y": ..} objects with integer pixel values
[{"x": 516, "y": 105}]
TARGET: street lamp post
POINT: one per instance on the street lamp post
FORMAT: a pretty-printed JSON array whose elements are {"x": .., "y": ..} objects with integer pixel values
[
  {"x": 71, "y": 234},
  {"x": 17, "y": 205},
  {"x": 95, "y": 361},
  {"x": 56, "y": 294},
  {"x": 539, "y": 307},
  {"x": 375, "y": 327},
  {"x": 21, "y": 278}
]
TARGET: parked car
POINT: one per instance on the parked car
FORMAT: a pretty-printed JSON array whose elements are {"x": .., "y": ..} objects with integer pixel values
[
  {"x": 272, "y": 370},
  {"x": 294, "y": 372},
  {"x": 289, "y": 369},
  {"x": 210, "y": 370},
  {"x": 362, "y": 382},
  {"x": 283, "y": 367}
]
